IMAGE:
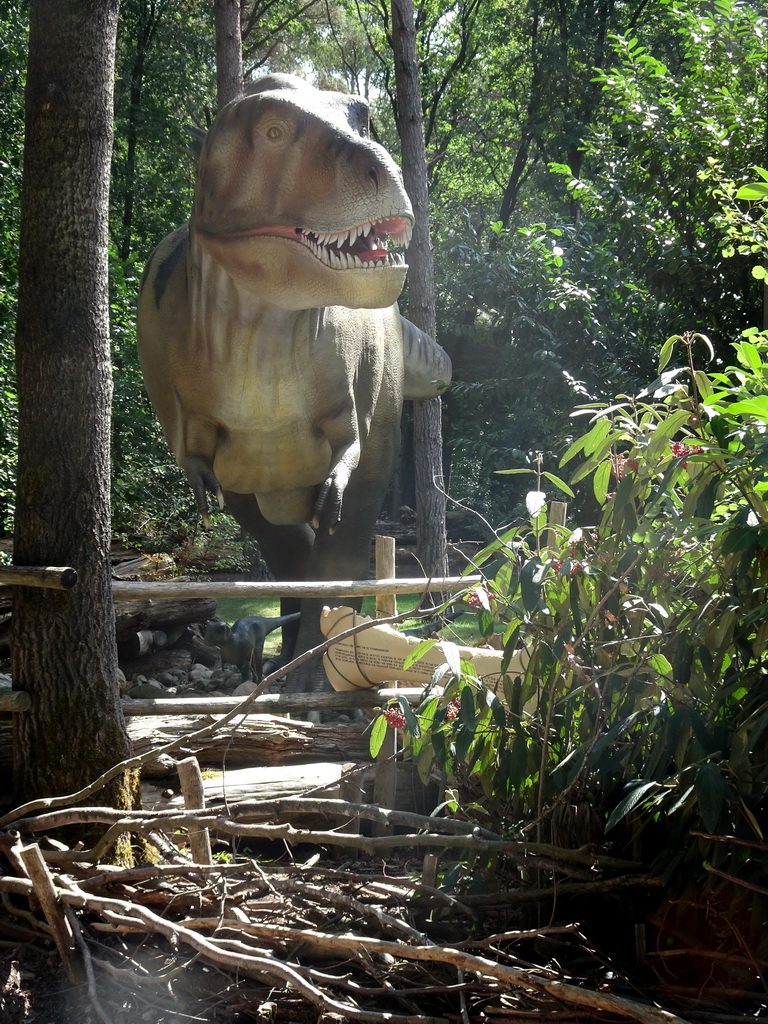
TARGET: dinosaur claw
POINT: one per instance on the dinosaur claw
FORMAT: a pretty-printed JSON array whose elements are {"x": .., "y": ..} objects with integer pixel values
[{"x": 202, "y": 479}]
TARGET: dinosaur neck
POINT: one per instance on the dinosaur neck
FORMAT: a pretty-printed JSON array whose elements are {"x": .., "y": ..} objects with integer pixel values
[{"x": 225, "y": 312}]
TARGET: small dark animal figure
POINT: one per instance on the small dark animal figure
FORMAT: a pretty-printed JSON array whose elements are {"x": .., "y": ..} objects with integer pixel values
[{"x": 242, "y": 643}]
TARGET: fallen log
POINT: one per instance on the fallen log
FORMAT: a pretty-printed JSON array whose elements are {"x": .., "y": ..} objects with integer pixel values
[
  {"x": 279, "y": 704},
  {"x": 258, "y": 740},
  {"x": 146, "y": 641},
  {"x": 149, "y": 613}
]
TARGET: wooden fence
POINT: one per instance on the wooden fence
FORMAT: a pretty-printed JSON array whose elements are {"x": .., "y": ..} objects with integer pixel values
[{"x": 384, "y": 588}]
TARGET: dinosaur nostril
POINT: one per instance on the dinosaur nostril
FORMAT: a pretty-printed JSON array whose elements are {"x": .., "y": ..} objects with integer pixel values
[{"x": 373, "y": 174}]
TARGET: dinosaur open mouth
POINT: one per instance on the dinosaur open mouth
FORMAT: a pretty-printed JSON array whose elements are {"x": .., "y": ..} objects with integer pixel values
[{"x": 358, "y": 248}]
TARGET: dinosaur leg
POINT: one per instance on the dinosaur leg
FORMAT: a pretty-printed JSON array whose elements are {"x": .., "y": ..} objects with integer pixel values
[
  {"x": 342, "y": 555},
  {"x": 286, "y": 550}
]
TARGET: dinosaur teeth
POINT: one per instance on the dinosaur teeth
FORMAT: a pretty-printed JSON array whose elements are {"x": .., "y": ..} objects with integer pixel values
[{"x": 326, "y": 247}]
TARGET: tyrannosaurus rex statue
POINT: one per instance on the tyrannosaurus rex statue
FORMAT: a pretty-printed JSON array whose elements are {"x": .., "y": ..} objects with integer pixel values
[{"x": 270, "y": 340}]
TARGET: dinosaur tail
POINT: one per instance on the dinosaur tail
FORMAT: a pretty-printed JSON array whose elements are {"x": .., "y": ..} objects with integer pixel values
[{"x": 271, "y": 624}]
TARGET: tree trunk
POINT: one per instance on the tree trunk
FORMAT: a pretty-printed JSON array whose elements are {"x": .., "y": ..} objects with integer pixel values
[
  {"x": 64, "y": 389},
  {"x": 427, "y": 429},
  {"x": 229, "y": 51}
]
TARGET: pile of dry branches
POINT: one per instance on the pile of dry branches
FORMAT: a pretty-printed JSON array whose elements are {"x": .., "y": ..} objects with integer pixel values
[
  {"x": 300, "y": 940},
  {"x": 351, "y": 943}
]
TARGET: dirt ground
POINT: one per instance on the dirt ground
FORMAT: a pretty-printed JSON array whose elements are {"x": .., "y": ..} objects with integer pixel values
[{"x": 34, "y": 989}]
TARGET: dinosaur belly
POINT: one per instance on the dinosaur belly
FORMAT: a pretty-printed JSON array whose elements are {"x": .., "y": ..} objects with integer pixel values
[{"x": 267, "y": 461}]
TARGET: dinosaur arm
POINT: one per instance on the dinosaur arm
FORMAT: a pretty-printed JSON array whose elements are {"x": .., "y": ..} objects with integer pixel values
[
  {"x": 330, "y": 499},
  {"x": 427, "y": 366}
]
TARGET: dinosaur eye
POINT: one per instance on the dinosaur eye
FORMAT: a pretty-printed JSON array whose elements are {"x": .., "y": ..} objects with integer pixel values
[
  {"x": 363, "y": 130},
  {"x": 274, "y": 132}
]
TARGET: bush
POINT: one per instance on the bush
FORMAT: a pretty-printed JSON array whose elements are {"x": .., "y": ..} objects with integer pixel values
[{"x": 645, "y": 698}]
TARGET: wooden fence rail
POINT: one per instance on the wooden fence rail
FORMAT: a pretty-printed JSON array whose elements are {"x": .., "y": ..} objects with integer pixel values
[
  {"x": 54, "y": 577},
  {"x": 126, "y": 591},
  {"x": 385, "y": 591}
]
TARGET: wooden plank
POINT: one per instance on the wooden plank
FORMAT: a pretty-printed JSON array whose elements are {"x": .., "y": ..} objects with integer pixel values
[
  {"x": 385, "y": 779},
  {"x": 266, "y": 783},
  {"x": 557, "y": 513},
  {"x": 193, "y": 792},
  {"x": 165, "y": 591}
]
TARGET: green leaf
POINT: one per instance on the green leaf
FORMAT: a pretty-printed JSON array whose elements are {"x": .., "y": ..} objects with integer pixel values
[
  {"x": 712, "y": 792},
  {"x": 754, "y": 193},
  {"x": 640, "y": 790},
  {"x": 681, "y": 801},
  {"x": 467, "y": 716},
  {"x": 749, "y": 356},
  {"x": 378, "y": 732},
  {"x": 661, "y": 665},
  {"x": 560, "y": 484},
  {"x": 418, "y": 652},
  {"x": 530, "y": 587},
  {"x": 411, "y": 721},
  {"x": 703, "y": 383},
  {"x": 665, "y": 430},
  {"x": 584, "y": 470},
  {"x": 666, "y": 350},
  {"x": 757, "y": 406},
  {"x": 601, "y": 481},
  {"x": 596, "y": 435},
  {"x": 452, "y": 656}
]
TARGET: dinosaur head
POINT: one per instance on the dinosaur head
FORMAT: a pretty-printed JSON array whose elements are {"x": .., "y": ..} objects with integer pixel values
[{"x": 293, "y": 199}]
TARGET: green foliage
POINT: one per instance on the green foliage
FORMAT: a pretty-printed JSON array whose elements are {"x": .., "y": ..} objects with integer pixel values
[
  {"x": 676, "y": 116},
  {"x": 644, "y": 678}
]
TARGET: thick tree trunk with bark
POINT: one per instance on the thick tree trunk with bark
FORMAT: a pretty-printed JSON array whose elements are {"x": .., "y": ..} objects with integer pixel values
[
  {"x": 427, "y": 416},
  {"x": 229, "y": 51},
  {"x": 74, "y": 729}
]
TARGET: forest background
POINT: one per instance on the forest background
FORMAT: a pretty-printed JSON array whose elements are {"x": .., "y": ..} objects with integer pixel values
[{"x": 583, "y": 164}]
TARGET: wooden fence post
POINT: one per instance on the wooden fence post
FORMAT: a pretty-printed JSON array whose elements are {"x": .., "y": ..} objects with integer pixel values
[
  {"x": 386, "y": 604},
  {"x": 557, "y": 513}
]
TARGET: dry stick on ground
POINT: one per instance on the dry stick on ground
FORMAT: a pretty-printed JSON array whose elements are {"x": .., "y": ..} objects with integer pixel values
[
  {"x": 392, "y": 887},
  {"x": 443, "y": 832},
  {"x": 85, "y": 955}
]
